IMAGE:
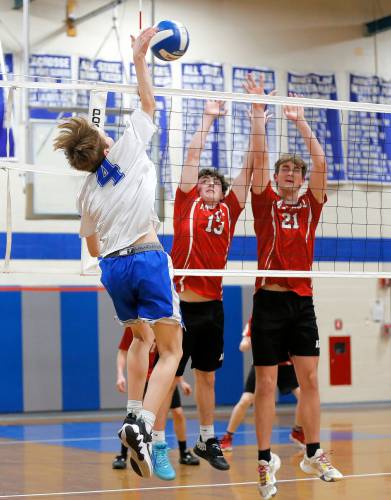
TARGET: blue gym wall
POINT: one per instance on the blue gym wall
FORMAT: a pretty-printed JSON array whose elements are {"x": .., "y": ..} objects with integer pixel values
[{"x": 58, "y": 349}]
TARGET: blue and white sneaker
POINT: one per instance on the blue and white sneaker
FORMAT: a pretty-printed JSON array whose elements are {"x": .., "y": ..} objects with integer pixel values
[{"x": 162, "y": 467}]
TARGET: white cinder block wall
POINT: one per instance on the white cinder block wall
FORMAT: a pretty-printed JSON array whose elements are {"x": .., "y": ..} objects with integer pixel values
[{"x": 307, "y": 36}]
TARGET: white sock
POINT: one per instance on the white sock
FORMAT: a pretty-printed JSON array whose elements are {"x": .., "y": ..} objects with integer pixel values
[
  {"x": 149, "y": 419},
  {"x": 207, "y": 432},
  {"x": 134, "y": 407},
  {"x": 158, "y": 436}
]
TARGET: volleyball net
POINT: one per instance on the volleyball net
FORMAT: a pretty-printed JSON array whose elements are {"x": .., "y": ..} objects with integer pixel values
[{"x": 39, "y": 222}]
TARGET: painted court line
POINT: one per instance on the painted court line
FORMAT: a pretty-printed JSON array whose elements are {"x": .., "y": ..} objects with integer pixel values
[
  {"x": 7, "y": 441},
  {"x": 183, "y": 487},
  {"x": 93, "y": 438}
]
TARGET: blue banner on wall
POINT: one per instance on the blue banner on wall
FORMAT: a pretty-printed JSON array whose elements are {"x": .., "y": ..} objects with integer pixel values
[
  {"x": 5, "y": 135},
  {"x": 9, "y": 64},
  {"x": 240, "y": 119},
  {"x": 52, "y": 68},
  {"x": 162, "y": 77},
  {"x": 325, "y": 123},
  {"x": 101, "y": 71},
  {"x": 369, "y": 134},
  {"x": 204, "y": 76}
]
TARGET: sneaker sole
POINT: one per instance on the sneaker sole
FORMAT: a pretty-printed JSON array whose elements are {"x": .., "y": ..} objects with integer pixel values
[
  {"x": 190, "y": 463},
  {"x": 119, "y": 467},
  {"x": 273, "y": 494},
  {"x": 276, "y": 468},
  {"x": 307, "y": 469},
  {"x": 199, "y": 453},
  {"x": 141, "y": 462},
  {"x": 171, "y": 478},
  {"x": 164, "y": 478}
]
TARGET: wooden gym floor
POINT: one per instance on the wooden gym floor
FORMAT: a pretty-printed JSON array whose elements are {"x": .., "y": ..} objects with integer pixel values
[{"x": 70, "y": 458}]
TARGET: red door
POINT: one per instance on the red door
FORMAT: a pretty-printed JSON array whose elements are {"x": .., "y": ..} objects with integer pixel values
[{"x": 340, "y": 361}]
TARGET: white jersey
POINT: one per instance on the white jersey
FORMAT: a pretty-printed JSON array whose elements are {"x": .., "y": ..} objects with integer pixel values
[{"x": 118, "y": 200}]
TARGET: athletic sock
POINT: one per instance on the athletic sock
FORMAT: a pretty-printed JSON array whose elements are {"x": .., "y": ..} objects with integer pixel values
[
  {"x": 134, "y": 407},
  {"x": 298, "y": 428},
  {"x": 158, "y": 436},
  {"x": 124, "y": 452},
  {"x": 312, "y": 448},
  {"x": 231, "y": 434},
  {"x": 182, "y": 447},
  {"x": 207, "y": 432},
  {"x": 149, "y": 419},
  {"x": 264, "y": 455}
]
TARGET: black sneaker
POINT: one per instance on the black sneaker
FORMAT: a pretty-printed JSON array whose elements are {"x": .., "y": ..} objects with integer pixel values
[
  {"x": 134, "y": 435},
  {"x": 119, "y": 462},
  {"x": 211, "y": 451},
  {"x": 187, "y": 458}
]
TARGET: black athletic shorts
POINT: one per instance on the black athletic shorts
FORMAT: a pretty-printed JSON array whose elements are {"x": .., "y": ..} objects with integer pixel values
[
  {"x": 176, "y": 399},
  {"x": 250, "y": 382},
  {"x": 286, "y": 379},
  {"x": 283, "y": 324},
  {"x": 203, "y": 335}
]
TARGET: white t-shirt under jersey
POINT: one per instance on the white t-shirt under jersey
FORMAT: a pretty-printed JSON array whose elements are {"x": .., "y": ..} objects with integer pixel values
[{"x": 118, "y": 203}]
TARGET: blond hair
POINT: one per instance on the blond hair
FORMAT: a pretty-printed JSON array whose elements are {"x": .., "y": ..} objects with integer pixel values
[{"x": 82, "y": 144}]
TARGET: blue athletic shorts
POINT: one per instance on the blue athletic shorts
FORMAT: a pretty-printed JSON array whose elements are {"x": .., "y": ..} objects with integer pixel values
[{"x": 141, "y": 288}]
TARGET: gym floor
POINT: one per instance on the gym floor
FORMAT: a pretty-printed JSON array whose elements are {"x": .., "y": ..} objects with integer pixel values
[{"x": 69, "y": 456}]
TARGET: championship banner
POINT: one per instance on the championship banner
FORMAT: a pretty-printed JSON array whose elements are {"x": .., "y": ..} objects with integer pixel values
[
  {"x": 54, "y": 68},
  {"x": 102, "y": 71},
  {"x": 204, "y": 76},
  {"x": 325, "y": 123},
  {"x": 162, "y": 77},
  {"x": 369, "y": 134},
  {"x": 8, "y": 59},
  {"x": 241, "y": 125}
]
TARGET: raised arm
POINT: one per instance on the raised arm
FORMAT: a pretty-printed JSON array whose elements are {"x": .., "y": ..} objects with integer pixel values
[
  {"x": 140, "y": 47},
  {"x": 189, "y": 177},
  {"x": 261, "y": 175},
  {"x": 318, "y": 176},
  {"x": 241, "y": 183}
]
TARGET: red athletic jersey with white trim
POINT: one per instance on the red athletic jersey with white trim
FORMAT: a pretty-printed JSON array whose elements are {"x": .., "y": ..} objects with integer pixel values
[
  {"x": 127, "y": 339},
  {"x": 285, "y": 236},
  {"x": 202, "y": 237}
]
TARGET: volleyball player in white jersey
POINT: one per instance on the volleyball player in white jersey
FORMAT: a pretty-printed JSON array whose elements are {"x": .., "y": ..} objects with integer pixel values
[{"x": 119, "y": 222}]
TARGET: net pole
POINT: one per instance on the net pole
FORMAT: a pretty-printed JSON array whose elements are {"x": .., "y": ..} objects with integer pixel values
[
  {"x": 8, "y": 245},
  {"x": 140, "y": 14},
  {"x": 8, "y": 216}
]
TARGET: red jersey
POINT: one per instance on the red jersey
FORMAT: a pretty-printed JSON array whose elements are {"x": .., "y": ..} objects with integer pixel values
[
  {"x": 285, "y": 235},
  {"x": 124, "y": 345},
  {"x": 202, "y": 237}
]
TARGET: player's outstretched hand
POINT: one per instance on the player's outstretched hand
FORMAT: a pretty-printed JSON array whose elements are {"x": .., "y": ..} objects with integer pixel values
[
  {"x": 141, "y": 43},
  {"x": 294, "y": 113},
  {"x": 256, "y": 88},
  {"x": 215, "y": 108}
]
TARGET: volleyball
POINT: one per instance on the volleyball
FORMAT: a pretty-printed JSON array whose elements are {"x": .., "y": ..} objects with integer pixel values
[{"x": 171, "y": 41}]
